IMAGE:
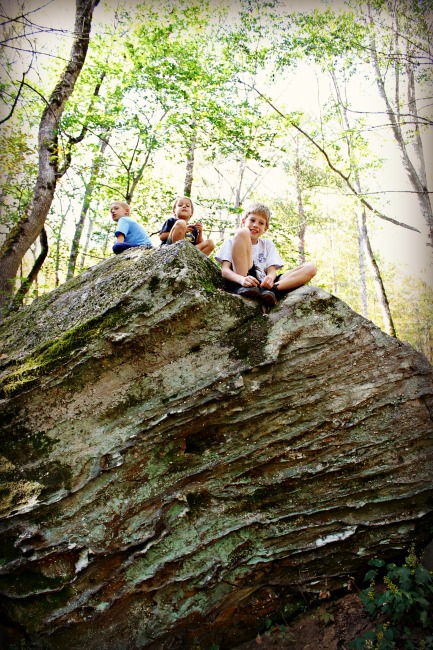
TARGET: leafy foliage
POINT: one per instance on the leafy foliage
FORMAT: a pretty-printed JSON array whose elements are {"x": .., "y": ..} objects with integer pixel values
[{"x": 405, "y": 602}]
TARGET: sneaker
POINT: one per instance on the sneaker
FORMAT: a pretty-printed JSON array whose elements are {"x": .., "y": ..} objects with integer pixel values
[
  {"x": 248, "y": 292},
  {"x": 268, "y": 298}
]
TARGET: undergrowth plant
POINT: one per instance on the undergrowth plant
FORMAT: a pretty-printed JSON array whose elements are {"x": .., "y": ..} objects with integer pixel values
[{"x": 402, "y": 607}]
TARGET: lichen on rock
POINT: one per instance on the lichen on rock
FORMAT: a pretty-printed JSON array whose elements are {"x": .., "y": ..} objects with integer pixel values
[{"x": 176, "y": 466}]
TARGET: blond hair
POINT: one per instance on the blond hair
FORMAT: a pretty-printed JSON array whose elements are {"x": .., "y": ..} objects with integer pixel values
[
  {"x": 258, "y": 208},
  {"x": 178, "y": 198},
  {"x": 122, "y": 203}
]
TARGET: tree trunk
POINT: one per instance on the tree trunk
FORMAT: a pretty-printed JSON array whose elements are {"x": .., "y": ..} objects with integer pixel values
[
  {"x": 416, "y": 178},
  {"x": 26, "y": 284},
  {"x": 87, "y": 244},
  {"x": 302, "y": 226},
  {"x": 190, "y": 167},
  {"x": 377, "y": 279},
  {"x": 363, "y": 238},
  {"x": 22, "y": 236},
  {"x": 136, "y": 178},
  {"x": 238, "y": 195},
  {"x": 334, "y": 270},
  {"x": 362, "y": 245},
  {"x": 64, "y": 212},
  {"x": 90, "y": 186},
  {"x": 360, "y": 212}
]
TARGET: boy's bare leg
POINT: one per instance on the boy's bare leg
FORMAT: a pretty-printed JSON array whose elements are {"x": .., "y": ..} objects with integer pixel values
[
  {"x": 206, "y": 246},
  {"x": 178, "y": 231},
  {"x": 242, "y": 255},
  {"x": 297, "y": 277}
]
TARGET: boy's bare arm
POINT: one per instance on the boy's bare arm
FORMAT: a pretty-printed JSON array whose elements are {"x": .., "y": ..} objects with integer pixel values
[
  {"x": 228, "y": 274},
  {"x": 163, "y": 236},
  {"x": 120, "y": 238}
]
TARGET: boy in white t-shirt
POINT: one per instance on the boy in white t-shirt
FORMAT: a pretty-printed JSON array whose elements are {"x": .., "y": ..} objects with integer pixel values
[{"x": 250, "y": 264}]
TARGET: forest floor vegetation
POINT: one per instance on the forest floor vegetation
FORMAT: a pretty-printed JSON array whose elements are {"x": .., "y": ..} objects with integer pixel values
[
  {"x": 332, "y": 625},
  {"x": 395, "y": 611}
]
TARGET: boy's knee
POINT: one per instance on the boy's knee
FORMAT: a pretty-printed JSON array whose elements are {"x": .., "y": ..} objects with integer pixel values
[
  {"x": 180, "y": 226},
  {"x": 242, "y": 234},
  {"x": 310, "y": 269}
]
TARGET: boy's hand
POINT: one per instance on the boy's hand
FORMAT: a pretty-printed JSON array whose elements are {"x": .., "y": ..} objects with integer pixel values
[
  {"x": 199, "y": 226},
  {"x": 267, "y": 282},
  {"x": 249, "y": 281}
]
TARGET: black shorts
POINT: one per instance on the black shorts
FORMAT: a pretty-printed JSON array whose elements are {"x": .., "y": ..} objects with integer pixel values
[{"x": 232, "y": 286}]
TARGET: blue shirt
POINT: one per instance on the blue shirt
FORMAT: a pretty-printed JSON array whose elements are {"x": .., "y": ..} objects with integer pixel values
[{"x": 134, "y": 232}]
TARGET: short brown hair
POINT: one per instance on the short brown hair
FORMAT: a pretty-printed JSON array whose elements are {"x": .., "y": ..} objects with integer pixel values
[
  {"x": 260, "y": 209},
  {"x": 183, "y": 197},
  {"x": 122, "y": 203}
]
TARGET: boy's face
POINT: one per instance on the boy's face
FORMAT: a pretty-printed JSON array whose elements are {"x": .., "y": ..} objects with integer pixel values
[
  {"x": 183, "y": 208},
  {"x": 256, "y": 224},
  {"x": 118, "y": 210}
]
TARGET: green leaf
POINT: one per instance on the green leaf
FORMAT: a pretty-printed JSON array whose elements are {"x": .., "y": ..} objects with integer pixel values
[{"x": 370, "y": 575}]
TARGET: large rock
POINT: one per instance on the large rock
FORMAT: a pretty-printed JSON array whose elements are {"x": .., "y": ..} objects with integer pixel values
[{"x": 177, "y": 465}]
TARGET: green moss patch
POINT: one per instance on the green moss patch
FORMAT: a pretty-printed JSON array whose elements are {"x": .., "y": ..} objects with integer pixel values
[{"x": 52, "y": 354}]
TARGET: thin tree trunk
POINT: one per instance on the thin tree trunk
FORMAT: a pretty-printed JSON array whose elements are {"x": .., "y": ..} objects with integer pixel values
[
  {"x": 26, "y": 284},
  {"x": 22, "y": 236},
  {"x": 86, "y": 245},
  {"x": 90, "y": 186},
  {"x": 189, "y": 176},
  {"x": 130, "y": 191},
  {"x": 334, "y": 271},
  {"x": 363, "y": 238},
  {"x": 302, "y": 225},
  {"x": 238, "y": 199},
  {"x": 360, "y": 212},
  {"x": 418, "y": 146},
  {"x": 380, "y": 288},
  {"x": 416, "y": 179},
  {"x": 362, "y": 245},
  {"x": 57, "y": 246}
]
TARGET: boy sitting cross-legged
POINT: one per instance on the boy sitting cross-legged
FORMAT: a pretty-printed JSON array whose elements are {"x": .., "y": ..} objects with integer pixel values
[{"x": 250, "y": 263}]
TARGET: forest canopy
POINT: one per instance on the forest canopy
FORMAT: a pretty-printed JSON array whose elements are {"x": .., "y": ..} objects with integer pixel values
[{"x": 321, "y": 110}]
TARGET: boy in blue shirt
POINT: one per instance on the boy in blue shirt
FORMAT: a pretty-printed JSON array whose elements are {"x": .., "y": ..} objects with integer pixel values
[
  {"x": 250, "y": 263},
  {"x": 129, "y": 233}
]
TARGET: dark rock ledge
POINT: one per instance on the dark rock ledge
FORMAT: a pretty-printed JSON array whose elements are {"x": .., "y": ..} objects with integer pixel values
[{"x": 176, "y": 466}]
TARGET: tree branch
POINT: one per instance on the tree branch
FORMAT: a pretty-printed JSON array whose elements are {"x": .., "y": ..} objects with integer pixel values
[
  {"x": 17, "y": 96},
  {"x": 334, "y": 169},
  {"x": 17, "y": 300}
]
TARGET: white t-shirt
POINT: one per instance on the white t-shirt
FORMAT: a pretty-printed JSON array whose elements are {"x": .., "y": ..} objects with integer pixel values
[{"x": 265, "y": 255}]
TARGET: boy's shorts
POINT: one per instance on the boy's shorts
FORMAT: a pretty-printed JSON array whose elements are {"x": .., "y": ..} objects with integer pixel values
[
  {"x": 232, "y": 286},
  {"x": 119, "y": 247},
  {"x": 170, "y": 241}
]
